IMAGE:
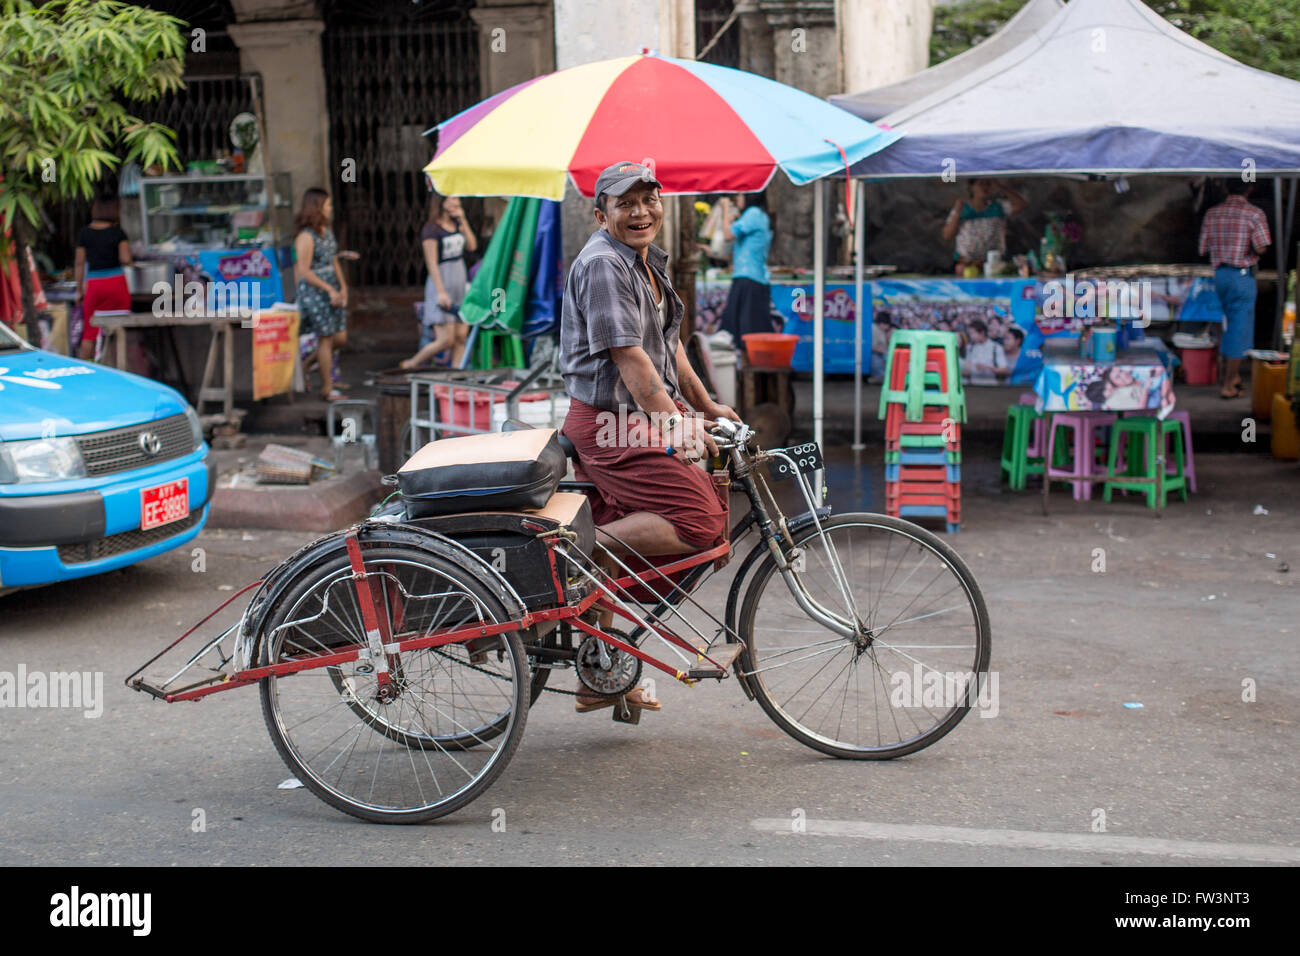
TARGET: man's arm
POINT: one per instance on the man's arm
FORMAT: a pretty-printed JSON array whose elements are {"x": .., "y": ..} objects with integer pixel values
[
  {"x": 1259, "y": 237},
  {"x": 639, "y": 375},
  {"x": 1203, "y": 247}
]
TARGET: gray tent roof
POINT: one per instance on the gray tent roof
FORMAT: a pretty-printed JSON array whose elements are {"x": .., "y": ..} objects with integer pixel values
[
  {"x": 877, "y": 102},
  {"x": 1107, "y": 86}
]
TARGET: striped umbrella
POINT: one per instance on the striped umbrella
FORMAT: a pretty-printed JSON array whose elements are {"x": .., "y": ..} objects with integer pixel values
[{"x": 702, "y": 128}]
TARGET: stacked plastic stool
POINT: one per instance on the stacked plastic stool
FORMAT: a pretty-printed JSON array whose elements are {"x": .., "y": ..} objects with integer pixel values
[{"x": 923, "y": 405}]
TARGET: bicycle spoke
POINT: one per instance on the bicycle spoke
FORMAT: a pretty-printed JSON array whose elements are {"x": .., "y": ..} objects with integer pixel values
[{"x": 897, "y": 579}]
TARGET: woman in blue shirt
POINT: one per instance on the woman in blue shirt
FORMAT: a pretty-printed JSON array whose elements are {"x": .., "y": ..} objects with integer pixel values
[{"x": 749, "y": 302}]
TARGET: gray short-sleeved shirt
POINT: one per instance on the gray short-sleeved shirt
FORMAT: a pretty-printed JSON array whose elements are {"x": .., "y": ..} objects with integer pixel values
[{"x": 609, "y": 303}]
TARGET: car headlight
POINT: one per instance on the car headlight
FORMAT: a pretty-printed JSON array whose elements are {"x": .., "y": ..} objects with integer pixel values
[
  {"x": 40, "y": 459},
  {"x": 196, "y": 427}
]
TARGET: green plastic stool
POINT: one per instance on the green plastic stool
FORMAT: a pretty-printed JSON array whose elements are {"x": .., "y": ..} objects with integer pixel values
[
  {"x": 1015, "y": 444},
  {"x": 512, "y": 349},
  {"x": 916, "y": 395},
  {"x": 1153, "y": 432}
]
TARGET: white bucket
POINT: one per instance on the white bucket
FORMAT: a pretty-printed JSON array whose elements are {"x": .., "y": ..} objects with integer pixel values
[
  {"x": 724, "y": 374},
  {"x": 534, "y": 412}
]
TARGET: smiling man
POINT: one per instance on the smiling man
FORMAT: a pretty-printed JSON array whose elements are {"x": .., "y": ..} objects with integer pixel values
[{"x": 633, "y": 392}]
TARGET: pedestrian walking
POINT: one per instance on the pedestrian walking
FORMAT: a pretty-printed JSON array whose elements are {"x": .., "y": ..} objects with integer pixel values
[{"x": 445, "y": 239}]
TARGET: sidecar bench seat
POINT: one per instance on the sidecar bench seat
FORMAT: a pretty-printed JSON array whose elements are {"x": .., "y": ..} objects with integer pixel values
[
  {"x": 508, "y": 540},
  {"x": 502, "y": 471}
]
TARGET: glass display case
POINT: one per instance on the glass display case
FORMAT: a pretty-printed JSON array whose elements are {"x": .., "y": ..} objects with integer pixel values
[
  {"x": 228, "y": 231},
  {"x": 186, "y": 214}
]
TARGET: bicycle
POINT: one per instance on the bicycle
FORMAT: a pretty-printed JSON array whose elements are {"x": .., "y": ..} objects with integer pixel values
[{"x": 397, "y": 659}]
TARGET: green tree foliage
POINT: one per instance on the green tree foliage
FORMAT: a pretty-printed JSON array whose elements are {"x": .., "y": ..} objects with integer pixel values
[
  {"x": 960, "y": 26},
  {"x": 68, "y": 70},
  {"x": 1261, "y": 33}
]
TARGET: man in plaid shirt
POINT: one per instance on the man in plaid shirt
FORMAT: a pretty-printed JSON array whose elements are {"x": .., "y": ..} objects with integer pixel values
[{"x": 1234, "y": 234}]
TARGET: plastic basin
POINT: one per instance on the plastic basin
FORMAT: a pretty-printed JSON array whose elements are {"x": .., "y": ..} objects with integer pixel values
[{"x": 770, "y": 349}]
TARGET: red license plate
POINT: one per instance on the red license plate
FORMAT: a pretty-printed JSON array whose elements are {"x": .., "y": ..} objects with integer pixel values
[{"x": 164, "y": 504}]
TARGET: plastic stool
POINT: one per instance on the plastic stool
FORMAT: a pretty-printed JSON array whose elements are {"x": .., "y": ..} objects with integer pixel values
[
  {"x": 361, "y": 409},
  {"x": 1189, "y": 460},
  {"x": 512, "y": 349},
  {"x": 1023, "y": 423},
  {"x": 1151, "y": 430},
  {"x": 1084, "y": 427}
]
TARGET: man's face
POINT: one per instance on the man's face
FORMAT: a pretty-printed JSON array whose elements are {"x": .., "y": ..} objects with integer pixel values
[
  {"x": 633, "y": 218},
  {"x": 977, "y": 335}
]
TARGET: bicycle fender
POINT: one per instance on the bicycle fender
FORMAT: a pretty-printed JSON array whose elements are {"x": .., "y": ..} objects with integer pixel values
[
  {"x": 288, "y": 571},
  {"x": 760, "y": 550}
]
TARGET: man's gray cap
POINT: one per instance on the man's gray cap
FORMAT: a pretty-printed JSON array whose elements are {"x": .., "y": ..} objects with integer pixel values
[{"x": 617, "y": 179}]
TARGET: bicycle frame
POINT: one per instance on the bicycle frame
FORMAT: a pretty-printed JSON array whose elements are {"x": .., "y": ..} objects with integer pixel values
[{"x": 610, "y": 593}]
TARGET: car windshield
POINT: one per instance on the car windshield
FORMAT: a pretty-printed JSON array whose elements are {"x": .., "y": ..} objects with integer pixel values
[{"x": 8, "y": 341}]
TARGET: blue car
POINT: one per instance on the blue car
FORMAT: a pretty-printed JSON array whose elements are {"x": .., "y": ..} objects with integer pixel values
[{"x": 99, "y": 468}]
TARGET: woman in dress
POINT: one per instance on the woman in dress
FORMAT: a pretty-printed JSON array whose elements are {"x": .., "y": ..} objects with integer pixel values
[
  {"x": 322, "y": 290},
  {"x": 445, "y": 239},
  {"x": 749, "y": 301},
  {"x": 102, "y": 252}
]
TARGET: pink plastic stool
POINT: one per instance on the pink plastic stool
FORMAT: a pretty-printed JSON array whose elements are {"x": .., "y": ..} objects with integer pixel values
[
  {"x": 1084, "y": 425},
  {"x": 1171, "y": 467},
  {"x": 1037, "y": 446}
]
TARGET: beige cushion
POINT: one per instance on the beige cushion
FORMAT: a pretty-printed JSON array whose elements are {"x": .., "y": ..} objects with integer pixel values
[
  {"x": 523, "y": 445},
  {"x": 563, "y": 507}
]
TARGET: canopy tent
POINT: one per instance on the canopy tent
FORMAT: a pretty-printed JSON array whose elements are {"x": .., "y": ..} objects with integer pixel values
[
  {"x": 1106, "y": 87},
  {"x": 881, "y": 100}
]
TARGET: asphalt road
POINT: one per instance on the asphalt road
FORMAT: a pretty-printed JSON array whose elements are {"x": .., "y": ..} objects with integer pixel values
[{"x": 1188, "y": 608}]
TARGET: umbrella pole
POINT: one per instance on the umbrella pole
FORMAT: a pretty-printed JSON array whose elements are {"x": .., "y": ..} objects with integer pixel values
[
  {"x": 819, "y": 314},
  {"x": 860, "y": 203}
]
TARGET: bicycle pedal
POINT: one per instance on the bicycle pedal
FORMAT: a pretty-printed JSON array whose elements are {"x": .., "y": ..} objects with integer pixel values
[
  {"x": 725, "y": 656},
  {"x": 623, "y": 714}
]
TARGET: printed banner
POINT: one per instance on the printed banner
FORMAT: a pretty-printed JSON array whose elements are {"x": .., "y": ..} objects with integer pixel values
[{"x": 275, "y": 347}]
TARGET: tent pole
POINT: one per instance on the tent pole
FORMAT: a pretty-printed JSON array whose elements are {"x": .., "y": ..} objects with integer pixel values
[
  {"x": 859, "y": 228},
  {"x": 819, "y": 307},
  {"x": 1280, "y": 227}
]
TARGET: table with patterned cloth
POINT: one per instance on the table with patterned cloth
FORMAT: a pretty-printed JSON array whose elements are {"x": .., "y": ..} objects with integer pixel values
[{"x": 1135, "y": 381}]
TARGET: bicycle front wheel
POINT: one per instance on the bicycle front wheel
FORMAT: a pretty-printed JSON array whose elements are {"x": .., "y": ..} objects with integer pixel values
[
  {"x": 915, "y": 655},
  {"x": 443, "y": 725}
]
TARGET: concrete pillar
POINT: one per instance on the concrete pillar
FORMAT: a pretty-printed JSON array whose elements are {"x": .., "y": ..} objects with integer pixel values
[
  {"x": 883, "y": 41},
  {"x": 288, "y": 56},
  {"x": 586, "y": 32},
  {"x": 516, "y": 43}
]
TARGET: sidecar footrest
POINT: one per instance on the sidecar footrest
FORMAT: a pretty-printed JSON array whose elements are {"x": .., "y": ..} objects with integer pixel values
[{"x": 724, "y": 655}]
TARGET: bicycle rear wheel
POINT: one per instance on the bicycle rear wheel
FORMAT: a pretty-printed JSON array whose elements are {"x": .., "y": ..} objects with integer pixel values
[
  {"x": 403, "y": 755},
  {"x": 918, "y": 659}
]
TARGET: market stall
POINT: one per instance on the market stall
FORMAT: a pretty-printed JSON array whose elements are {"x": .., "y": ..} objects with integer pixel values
[{"x": 1107, "y": 88}]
